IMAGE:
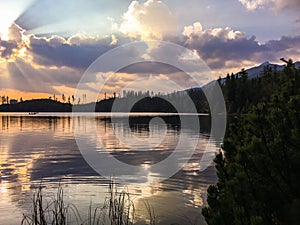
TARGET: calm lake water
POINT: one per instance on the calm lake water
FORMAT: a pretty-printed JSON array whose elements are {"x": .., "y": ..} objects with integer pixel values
[{"x": 41, "y": 149}]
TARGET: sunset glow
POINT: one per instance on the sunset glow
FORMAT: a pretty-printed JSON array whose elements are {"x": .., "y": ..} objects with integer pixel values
[
  {"x": 45, "y": 50},
  {"x": 149, "y": 112}
]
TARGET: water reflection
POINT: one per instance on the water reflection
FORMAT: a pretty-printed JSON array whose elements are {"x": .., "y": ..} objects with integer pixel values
[{"x": 43, "y": 148}]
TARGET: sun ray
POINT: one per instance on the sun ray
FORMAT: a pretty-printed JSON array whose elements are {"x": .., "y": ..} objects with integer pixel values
[
  {"x": 50, "y": 29},
  {"x": 22, "y": 75},
  {"x": 44, "y": 75},
  {"x": 10, "y": 11}
]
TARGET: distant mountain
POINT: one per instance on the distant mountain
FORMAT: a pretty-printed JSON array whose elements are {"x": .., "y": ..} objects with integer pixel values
[
  {"x": 257, "y": 71},
  {"x": 252, "y": 72}
]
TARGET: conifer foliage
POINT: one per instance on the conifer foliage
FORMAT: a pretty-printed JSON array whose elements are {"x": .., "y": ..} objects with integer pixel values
[{"x": 259, "y": 164}]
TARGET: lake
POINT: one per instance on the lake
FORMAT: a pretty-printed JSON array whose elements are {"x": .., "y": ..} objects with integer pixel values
[{"x": 42, "y": 150}]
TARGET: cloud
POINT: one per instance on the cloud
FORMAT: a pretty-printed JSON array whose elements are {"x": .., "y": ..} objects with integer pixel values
[
  {"x": 274, "y": 4},
  {"x": 22, "y": 76},
  {"x": 13, "y": 43},
  {"x": 114, "y": 40},
  {"x": 218, "y": 45},
  {"x": 77, "y": 52},
  {"x": 15, "y": 33},
  {"x": 223, "y": 48},
  {"x": 254, "y": 4},
  {"x": 164, "y": 83},
  {"x": 7, "y": 48},
  {"x": 148, "y": 21},
  {"x": 288, "y": 47},
  {"x": 149, "y": 67},
  {"x": 153, "y": 82},
  {"x": 50, "y": 63}
]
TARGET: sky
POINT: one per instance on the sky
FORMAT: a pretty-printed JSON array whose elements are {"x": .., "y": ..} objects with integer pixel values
[{"x": 47, "y": 46}]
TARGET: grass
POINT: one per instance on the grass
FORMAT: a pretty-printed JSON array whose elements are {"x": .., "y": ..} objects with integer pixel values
[
  {"x": 44, "y": 211},
  {"x": 119, "y": 206},
  {"x": 118, "y": 209},
  {"x": 151, "y": 213}
]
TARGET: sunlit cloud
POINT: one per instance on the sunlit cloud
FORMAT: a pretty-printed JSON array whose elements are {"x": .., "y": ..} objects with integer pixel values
[
  {"x": 148, "y": 21},
  {"x": 14, "y": 45},
  {"x": 47, "y": 51},
  {"x": 273, "y": 4},
  {"x": 154, "y": 82}
]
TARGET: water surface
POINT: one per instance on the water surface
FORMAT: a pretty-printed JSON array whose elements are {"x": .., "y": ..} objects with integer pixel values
[{"x": 41, "y": 149}]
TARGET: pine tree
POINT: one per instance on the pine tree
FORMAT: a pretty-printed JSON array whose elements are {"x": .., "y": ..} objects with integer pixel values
[{"x": 259, "y": 165}]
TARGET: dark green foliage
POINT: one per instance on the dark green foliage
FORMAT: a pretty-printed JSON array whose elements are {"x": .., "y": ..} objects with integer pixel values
[{"x": 259, "y": 165}]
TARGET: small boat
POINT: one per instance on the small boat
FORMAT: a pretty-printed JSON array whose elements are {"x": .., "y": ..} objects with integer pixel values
[{"x": 33, "y": 113}]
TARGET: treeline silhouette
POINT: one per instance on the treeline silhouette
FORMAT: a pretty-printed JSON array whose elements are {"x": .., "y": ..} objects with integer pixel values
[
  {"x": 37, "y": 105},
  {"x": 259, "y": 164},
  {"x": 170, "y": 103},
  {"x": 181, "y": 101}
]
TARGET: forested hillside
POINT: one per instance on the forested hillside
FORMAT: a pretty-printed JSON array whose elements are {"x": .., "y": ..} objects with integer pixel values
[{"x": 259, "y": 163}]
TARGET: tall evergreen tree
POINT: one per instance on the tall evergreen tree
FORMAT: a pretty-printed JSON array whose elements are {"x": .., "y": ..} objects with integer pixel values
[{"x": 259, "y": 164}]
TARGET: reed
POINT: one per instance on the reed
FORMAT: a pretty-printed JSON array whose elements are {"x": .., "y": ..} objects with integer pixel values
[
  {"x": 117, "y": 209},
  {"x": 151, "y": 213}
]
